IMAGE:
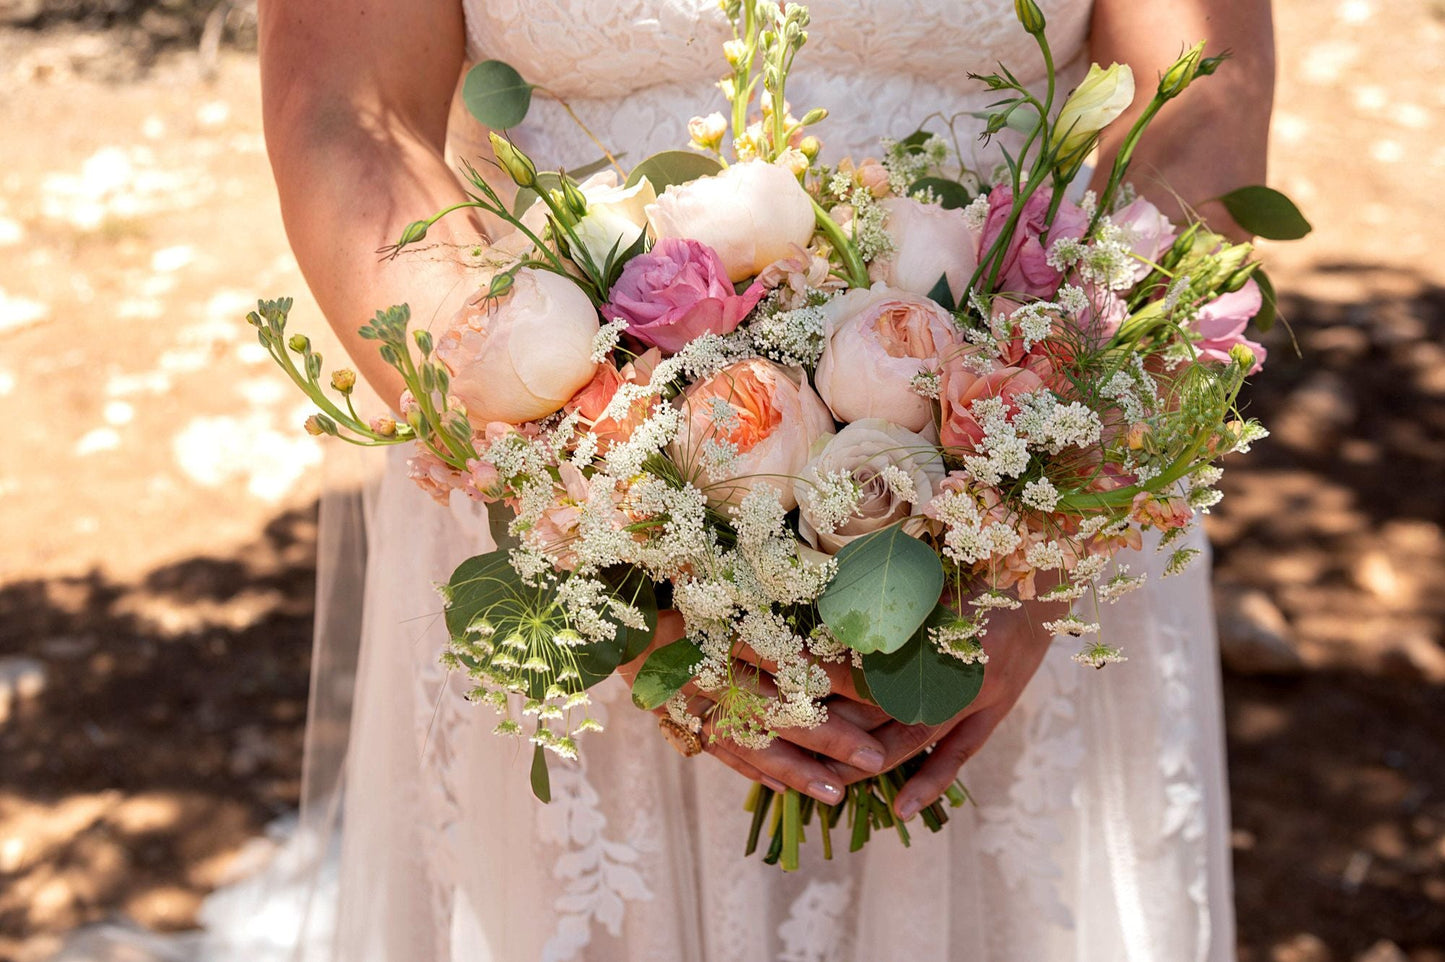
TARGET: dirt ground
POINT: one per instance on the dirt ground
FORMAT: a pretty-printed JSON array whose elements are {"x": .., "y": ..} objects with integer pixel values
[{"x": 157, "y": 496}]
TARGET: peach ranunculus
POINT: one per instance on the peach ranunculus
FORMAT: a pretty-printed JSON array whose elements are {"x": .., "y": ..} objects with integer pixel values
[
  {"x": 750, "y": 424},
  {"x": 930, "y": 243},
  {"x": 869, "y": 451},
  {"x": 960, "y": 387},
  {"x": 523, "y": 357},
  {"x": 878, "y": 340},
  {"x": 592, "y": 400},
  {"x": 752, "y": 214}
]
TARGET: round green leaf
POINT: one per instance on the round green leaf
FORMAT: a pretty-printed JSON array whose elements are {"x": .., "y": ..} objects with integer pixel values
[
  {"x": 664, "y": 673},
  {"x": 496, "y": 94},
  {"x": 672, "y": 167},
  {"x": 1266, "y": 212},
  {"x": 886, "y": 585},
  {"x": 918, "y": 684},
  {"x": 951, "y": 194}
]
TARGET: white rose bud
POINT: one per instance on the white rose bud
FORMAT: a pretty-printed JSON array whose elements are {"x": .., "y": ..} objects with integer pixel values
[
  {"x": 523, "y": 357},
  {"x": 752, "y": 214}
]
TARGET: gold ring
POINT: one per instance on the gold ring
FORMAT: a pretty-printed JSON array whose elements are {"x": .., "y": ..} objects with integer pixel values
[{"x": 688, "y": 743}]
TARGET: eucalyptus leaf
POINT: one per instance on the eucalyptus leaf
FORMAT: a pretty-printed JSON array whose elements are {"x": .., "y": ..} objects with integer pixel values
[
  {"x": 496, "y": 94},
  {"x": 918, "y": 684},
  {"x": 672, "y": 167},
  {"x": 942, "y": 294},
  {"x": 1269, "y": 305},
  {"x": 541, "y": 780},
  {"x": 951, "y": 194},
  {"x": 664, "y": 673},
  {"x": 886, "y": 585},
  {"x": 1266, "y": 212}
]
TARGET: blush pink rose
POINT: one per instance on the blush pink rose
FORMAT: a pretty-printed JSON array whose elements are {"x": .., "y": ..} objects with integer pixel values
[
  {"x": 930, "y": 243},
  {"x": 878, "y": 339},
  {"x": 1147, "y": 232},
  {"x": 772, "y": 419},
  {"x": 677, "y": 291},
  {"x": 1025, "y": 268},
  {"x": 960, "y": 387},
  {"x": 1221, "y": 325}
]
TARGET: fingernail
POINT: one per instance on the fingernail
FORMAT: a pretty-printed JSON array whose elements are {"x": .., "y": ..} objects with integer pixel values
[
  {"x": 908, "y": 809},
  {"x": 868, "y": 759},
  {"x": 775, "y": 785},
  {"x": 825, "y": 792}
]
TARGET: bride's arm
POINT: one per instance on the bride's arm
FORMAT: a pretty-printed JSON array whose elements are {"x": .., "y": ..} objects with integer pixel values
[
  {"x": 1214, "y": 137},
  {"x": 355, "y": 98},
  {"x": 1208, "y": 142}
]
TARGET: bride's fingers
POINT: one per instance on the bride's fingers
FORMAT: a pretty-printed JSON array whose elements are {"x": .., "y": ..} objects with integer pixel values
[
  {"x": 900, "y": 743},
  {"x": 865, "y": 716},
  {"x": 793, "y": 767},
  {"x": 942, "y": 765},
  {"x": 840, "y": 674}
]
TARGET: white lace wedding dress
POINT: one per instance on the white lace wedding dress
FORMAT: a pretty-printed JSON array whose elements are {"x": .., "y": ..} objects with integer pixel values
[
  {"x": 1100, "y": 831},
  {"x": 1101, "y": 827}
]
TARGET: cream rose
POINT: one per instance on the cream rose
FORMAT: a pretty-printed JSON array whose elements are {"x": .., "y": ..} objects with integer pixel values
[
  {"x": 929, "y": 243},
  {"x": 751, "y": 214},
  {"x": 523, "y": 357},
  {"x": 753, "y": 423},
  {"x": 878, "y": 340},
  {"x": 895, "y": 470}
]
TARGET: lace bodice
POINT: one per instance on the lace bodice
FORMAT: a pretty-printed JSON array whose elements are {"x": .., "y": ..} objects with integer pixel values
[{"x": 636, "y": 70}]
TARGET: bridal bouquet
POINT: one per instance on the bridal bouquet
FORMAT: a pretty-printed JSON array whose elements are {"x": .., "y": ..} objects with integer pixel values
[{"x": 833, "y": 414}]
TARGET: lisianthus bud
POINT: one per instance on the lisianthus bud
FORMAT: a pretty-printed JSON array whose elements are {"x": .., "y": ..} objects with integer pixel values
[
  {"x": 816, "y": 115},
  {"x": 574, "y": 199},
  {"x": 518, "y": 165},
  {"x": 1030, "y": 16},
  {"x": 1185, "y": 69},
  {"x": 707, "y": 132},
  {"x": 343, "y": 380},
  {"x": 1094, "y": 104}
]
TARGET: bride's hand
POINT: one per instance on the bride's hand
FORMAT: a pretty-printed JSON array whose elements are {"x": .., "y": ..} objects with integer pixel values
[
  {"x": 791, "y": 761},
  {"x": 1016, "y": 644}
]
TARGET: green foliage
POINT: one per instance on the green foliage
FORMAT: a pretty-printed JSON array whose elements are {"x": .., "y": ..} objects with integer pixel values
[
  {"x": 950, "y": 193},
  {"x": 672, "y": 167},
  {"x": 541, "y": 780},
  {"x": 496, "y": 94},
  {"x": 886, "y": 585},
  {"x": 917, "y": 683},
  {"x": 664, "y": 674},
  {"x": 1266, "y": 212},
  {"x": 1269, "y": 308}
]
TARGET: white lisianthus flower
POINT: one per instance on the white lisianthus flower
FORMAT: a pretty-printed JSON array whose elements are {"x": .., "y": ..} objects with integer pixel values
[
  {"x": 896, "y": 472},
  {"x": 524, "y": 356},
  {"x": 1094, "y": 104},
  {"x": 752, "y": 214},
  {"x": 616, "y": 216},
  {"x": 929, "y": 243}
]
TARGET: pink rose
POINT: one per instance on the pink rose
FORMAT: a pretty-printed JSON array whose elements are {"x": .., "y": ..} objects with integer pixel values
[
  {"x": 1221, "y": 324},
  {"x": 764, "y": 414},
  {"x": 878, "y": 339},
  {"x": 521, "y": 358},
  {"x": 929, "y": 243},
  {"x": 1147, "y": 232},
  {"x": 556, "y": 532},
  {"x": 592, "y": 400},
  {"x": 675, "y": 292},
  {"x": 960, "y": 387},
  {"x": 1025, "y": 268}
]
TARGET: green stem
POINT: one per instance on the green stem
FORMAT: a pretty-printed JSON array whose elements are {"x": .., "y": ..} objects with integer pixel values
[
  {"x": 847, "y": 250},
  {"x": 792, "y": 829}
]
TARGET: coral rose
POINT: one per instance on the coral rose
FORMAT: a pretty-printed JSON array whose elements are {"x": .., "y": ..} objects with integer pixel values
[
  {"x": 960, "y": 387},
  {"x": 769, "y": 416}
]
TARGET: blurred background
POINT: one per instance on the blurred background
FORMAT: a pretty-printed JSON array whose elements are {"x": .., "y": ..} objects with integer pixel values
[{"x": 157, "y": 503}]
